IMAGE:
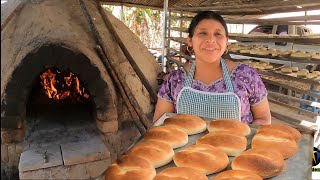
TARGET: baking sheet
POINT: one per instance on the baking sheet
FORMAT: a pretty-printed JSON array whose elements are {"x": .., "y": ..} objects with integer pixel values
[{"x": 298, "y": 167}]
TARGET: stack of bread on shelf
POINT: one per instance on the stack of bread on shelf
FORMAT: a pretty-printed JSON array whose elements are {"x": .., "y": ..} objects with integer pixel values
[
  {"x": 263, "y": 51},
  {"x": 216, "y": 142},
  {"x": 261, "y": 65},
  {"x": 301, "y": 73}
]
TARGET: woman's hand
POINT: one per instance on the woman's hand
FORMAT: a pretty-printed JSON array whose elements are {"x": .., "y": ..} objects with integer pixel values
[
  {"x": 261, "y": 113},
  {"x": 162, "y": 106}
]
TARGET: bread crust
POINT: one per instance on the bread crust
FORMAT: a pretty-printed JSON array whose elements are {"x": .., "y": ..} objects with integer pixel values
[
  {"x": 180, "y": 173},
  {"x": 155, "y": 152},
  {"x": 173, "y": 136},
  {"x": 283, "y": 128},
  {"x": 190, "y": 124},
  {"x": 203, "y": 157},
  {"x": 275, "y": 140},
  {"x": 231, "y": 144},
  {"x": 237, "y": 175},
  {"x": 130, "y": 167},
  {"x": 229, "y": 125},
  {"x": 263, "y": 162}
]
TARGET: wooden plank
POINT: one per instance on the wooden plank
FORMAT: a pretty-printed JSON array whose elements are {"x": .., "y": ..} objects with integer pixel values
[
  {"x": 298, "y": 39},
  {"x": 302, "y": 125},
  {"x": 291, "y": 98},
  {"x": 289, "y": 59},
  {"x": 291, "y": 87},
  {"x": 308, "y": 113},
  {"x": 287, "y": 77}
]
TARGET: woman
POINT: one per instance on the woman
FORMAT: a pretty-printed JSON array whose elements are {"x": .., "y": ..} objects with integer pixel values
[{"x": 212, "y": 86}]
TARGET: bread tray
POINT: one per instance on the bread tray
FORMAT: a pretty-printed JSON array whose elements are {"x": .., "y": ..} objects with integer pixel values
[{"x": 298, "y": 167}]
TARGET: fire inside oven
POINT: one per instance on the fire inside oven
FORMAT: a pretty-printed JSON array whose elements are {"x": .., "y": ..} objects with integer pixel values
[
  {"x": 63, "y": 86},
  {"x": 59, "y": 110}
]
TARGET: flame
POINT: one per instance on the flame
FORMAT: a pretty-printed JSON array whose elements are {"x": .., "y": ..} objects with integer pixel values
[{"x": 61, "y": 85}]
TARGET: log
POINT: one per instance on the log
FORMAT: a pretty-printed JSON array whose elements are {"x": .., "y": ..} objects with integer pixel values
[{"x": 119, "y": 84}]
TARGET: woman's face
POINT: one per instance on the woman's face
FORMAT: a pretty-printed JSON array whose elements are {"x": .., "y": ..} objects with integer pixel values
[{"x": 209, "y": 41}]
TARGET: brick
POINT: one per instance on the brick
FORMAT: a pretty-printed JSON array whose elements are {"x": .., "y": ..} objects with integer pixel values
[
  {"x": 13, "y": 156},
  {"x": 40, "y": 158},
  {"x": 107, "y": 127},
  {"x": 82, "y": 152},
  {"x": 11, "y": 122},
  {"x": 4, "y": 153},
  {"x": 12, "y": 136}
]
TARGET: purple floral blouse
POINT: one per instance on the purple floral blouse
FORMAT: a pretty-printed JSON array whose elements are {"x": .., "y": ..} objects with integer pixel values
[{"x": 246, "y": 82}]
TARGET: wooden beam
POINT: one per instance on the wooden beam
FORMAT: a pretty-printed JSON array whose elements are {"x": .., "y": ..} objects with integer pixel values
[
  {"x": 298, "y": 20},
  {"x": 262, "y": 4},
  {"x": 294, "y": 99},
  {"x": 246, "y": 11}
]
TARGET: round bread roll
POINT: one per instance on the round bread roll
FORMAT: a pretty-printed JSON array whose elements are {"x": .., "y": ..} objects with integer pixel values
[
  {"x": 130, "y": 167},
  {"x": 204, "y": 157},
  {"x": 302, "y": 73},
  {"x": 181, "y": 173},
  {"x": 190, "y": 124},
  {"x": 173, "y": 136},
  {"x": 286, "y": 70},
  {"x": 283, "y": 128},
  {"x": 275, "y": 140},
  {"x": 268, "y": 67},
  {"x": 229, "y": 125},
  {"x": 237, "y": 175},
  {"x": 156, "y": 152},
  {"x": 295, "y": 69},
  {"x": 231, "y": 144},
  {"x": 263, "y": 162}
]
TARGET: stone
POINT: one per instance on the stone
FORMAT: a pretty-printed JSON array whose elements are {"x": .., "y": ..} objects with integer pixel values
[
  {"x": 107, "y": 126},
  {"x": 40, "y": 158},
  {"x": 88, "y": 170},
  {"x": 4, "y": 153},
  {"x": 12, "y": 136},
  {"x": 12, "y": 155},
  {"x": 82, "y": 152},
  {"x": 11, "y": 122}
]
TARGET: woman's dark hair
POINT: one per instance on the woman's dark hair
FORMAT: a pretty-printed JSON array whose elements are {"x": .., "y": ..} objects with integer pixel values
[{"x": 206, "y": 15}]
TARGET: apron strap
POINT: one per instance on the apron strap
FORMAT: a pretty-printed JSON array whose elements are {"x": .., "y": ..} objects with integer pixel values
[
  {"x": 226, "y": 76},
  {"x": 189, "y": 76}
]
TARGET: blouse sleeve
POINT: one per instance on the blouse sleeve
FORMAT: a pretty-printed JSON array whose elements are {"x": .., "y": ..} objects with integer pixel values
[
  {"x": 165, "y": 89},
  {"x": 258, "y": 90}
]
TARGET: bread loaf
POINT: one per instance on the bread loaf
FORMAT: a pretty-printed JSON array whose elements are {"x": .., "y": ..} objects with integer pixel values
[
  {"x": 181, "y": 173},
  {"x": 229, "y": 125},
  {"x": 204, "y": 157},
  {"x": 130, "y": 167},
  {"x": 156, "y": 152},
  {"x": 283, "y": 128},
  {"x": 170, "y": 135},
  {"x": 229, "y": 143},
  {"x": 190, "y": 124},
  {"x": 275, "y": 140},
  {"x": 237, "y": 175},
  {"x": 263, "y": 162}
]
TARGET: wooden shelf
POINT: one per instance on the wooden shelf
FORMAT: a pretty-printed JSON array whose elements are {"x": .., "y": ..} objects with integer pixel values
[
  {"x": 280, "y": 58},
  {"x": 312, "y": 40}
]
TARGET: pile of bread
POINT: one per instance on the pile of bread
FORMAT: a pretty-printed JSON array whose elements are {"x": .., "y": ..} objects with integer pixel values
[
  {"x": 261, "y": 65},
  {"x": 270, "y": 146},
  {"x": 303, "y": 73},
  {"x": 263, "y": 51}
]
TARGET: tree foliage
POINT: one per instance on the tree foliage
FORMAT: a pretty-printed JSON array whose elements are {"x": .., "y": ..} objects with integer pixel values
[{"x": 145, "y": 23}]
